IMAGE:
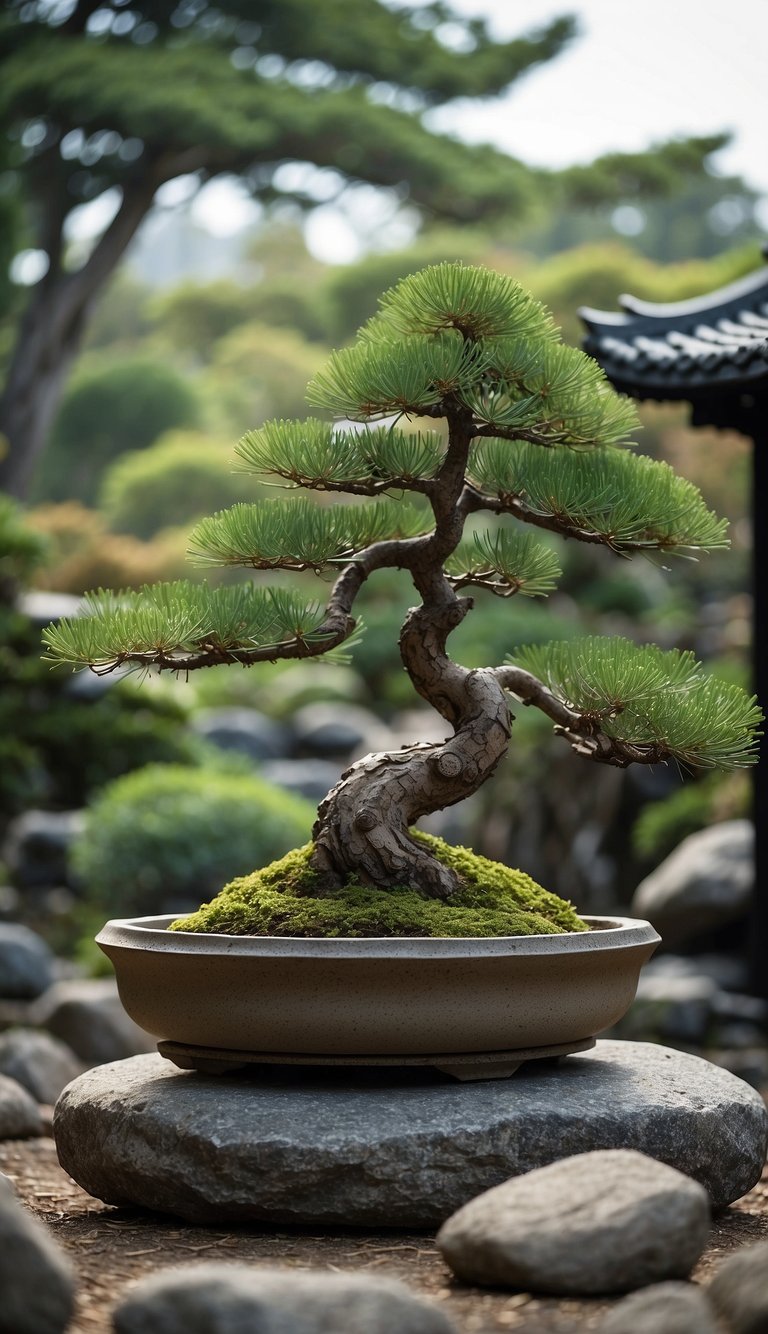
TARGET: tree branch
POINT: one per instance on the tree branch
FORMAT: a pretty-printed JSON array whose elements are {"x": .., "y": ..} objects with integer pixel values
[
  {"x": 425, "y": 486},
  {"x": 473, "y": 500},
  {"x": 581, "y": 730}
]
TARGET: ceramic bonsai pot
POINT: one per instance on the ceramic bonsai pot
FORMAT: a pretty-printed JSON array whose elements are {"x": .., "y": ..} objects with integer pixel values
[{"x": 396, "y": 1000}]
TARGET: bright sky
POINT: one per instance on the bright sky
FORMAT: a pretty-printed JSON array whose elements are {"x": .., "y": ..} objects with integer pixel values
[{"x": 641, "y": 71}]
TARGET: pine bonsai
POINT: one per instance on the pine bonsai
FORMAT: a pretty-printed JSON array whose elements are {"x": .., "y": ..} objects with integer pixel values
[{"x": 531, "y": 433}]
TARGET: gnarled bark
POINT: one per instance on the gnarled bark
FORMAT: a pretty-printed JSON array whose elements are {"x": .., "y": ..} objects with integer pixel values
[{"x": 363, "y": 824}]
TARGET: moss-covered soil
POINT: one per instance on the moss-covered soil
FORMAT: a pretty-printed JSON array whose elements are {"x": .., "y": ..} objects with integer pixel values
[{"x": 282, "y": 900}]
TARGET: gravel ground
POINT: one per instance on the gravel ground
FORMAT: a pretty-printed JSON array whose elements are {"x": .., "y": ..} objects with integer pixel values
[{"x": 109, "y": 1247}]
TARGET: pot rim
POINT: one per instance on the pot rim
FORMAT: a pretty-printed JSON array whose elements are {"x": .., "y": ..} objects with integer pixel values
[{"x": 151, "y": 934}]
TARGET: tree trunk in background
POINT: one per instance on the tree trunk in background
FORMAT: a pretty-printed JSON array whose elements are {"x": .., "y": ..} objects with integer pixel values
[{"x": 51, "y": 332}]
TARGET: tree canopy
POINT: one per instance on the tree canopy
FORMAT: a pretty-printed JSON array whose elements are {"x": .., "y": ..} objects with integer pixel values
[{"x": 101, "y": 95}]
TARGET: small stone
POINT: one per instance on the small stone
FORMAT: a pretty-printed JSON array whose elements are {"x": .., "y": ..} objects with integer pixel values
[
  {"x": 679, "y": 1009},
  {"x": 739, "y": 1290},
  {"x": 241, "y": 1299},
  {"x": 307, "y": 778},
  {"x": 706, "y": 882},
  {"x": 43, "y": 607},
  {"x": 40, "y": 1063},
  {"x": 608, "y": 1221},
  {"x": 37, "y": 845},
  {"x": 26, "y": 963},
  {"x": 19, "y": 1114},
  {"x": 37, "y": 1287},
  {"x": 87, "y": 1016},
  {"x": 338, "y": 731},
  {"x": 665, "y": 1308},
  {"x": 245, "y": 731}
]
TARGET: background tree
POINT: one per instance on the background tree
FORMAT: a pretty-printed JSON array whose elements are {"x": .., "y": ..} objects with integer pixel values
[
  {"x": 99, "y": 95},
  {"x": 532, "y": 434}
]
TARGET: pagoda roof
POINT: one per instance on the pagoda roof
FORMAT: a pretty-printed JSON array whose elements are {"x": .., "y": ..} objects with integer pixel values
[{"x": 711, "y": 351}]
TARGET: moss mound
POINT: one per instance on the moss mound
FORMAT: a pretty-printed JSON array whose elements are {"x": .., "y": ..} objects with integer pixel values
[{"x": 494, "y": 900}]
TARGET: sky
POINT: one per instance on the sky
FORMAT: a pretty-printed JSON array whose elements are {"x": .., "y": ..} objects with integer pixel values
[{"x": 637, "y": 74}]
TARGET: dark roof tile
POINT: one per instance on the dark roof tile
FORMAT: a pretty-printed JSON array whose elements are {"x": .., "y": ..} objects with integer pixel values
[{"x": 687, "y": 349}]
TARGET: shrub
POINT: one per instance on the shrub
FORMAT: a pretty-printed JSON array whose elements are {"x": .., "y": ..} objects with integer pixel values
[
  {"x": 107, "y": 409},
  {"x": 662, "y": 825},
  {"x": 259, "y": 372},
  {"x": 82, "y": 554},
  {"x": 168, "y": 836},
  {"x": 180, "y": 477},
  {"x": 21, "y": 548},
  {"x": 56, "y": 748},
  {"x": 193, "y": 316}
]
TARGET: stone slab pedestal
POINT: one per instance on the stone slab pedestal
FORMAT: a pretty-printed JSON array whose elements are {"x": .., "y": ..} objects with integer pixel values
[{"x": 387, "y": 1148}]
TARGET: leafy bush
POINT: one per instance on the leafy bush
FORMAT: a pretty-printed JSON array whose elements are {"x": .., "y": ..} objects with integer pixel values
[
  {"x": 168, "y": 836},
  {"x": 193, "y": 316},
  {"x": 107, "y": 409},
  {"x": 259, "y": 372},
  {"x": 83, "y": 554},
  {"x": 56, "y": 748},
  {"x": 180, "y": 477},
  {"x": 21, "y": 548},
  {"x": 662, "y": 825}
]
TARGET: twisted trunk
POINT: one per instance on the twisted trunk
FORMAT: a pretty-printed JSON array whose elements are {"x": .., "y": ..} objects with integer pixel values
[{"x": 363, "y": 824}]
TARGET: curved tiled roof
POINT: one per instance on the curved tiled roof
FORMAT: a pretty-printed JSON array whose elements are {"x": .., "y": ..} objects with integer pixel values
[{"x": 712, "y": 350}]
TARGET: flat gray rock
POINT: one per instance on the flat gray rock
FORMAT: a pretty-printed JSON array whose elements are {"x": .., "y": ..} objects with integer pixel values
[
  {"x": 608, "y": 1221},
  {"x": 664, "y": 1308},
  {"x": 36, "y": 1281},
  {"x": 243, "y": 1299},
  {"x": 19, "y": 1114},
  {"x": 386, "y": 1147}
]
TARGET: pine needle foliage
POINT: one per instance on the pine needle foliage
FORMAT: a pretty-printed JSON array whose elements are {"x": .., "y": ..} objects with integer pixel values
[
  {"x": 476, "y": 301},
  {"x": 626, "y": 499},
  {"x": 410, "y": 375},
  {"x": 297, "y": 534},
  {"x": 179, "y": 618},
  {"x": 554, "y": 392},
  {"x": 462, "y": 333},
  {"x": 650, "y": 698},
  {"x": 505, "y": 562},
  {"x": 317, "y": 455}
]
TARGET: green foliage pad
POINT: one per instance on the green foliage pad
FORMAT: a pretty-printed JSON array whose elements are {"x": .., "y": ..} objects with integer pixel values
[{"x": 279, "y": 901}]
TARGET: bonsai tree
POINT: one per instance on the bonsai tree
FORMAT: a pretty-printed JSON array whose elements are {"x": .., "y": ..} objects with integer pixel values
[{"x": 525, "y": 431}]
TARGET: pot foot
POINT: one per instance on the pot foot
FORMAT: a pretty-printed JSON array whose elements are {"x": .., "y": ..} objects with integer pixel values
[{"x": 464, "y": 1066}]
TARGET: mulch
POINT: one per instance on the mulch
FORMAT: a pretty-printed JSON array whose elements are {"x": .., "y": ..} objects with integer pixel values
[{"x": 109, "y": 1247}]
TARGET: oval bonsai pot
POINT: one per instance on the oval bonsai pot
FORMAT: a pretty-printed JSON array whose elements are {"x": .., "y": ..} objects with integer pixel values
[{"x": 388, "y": 997}]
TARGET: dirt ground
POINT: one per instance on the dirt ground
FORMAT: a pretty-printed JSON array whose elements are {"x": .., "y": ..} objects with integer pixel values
[{"x": 109, "y": 1247}]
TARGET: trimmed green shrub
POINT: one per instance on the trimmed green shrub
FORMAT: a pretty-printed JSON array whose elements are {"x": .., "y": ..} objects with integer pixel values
[
  {"x": 167, "y": 835},
  {"x": 193, "y": 316},
  {"x": 174, "y": 481},
  {"x": 56, "y": 748},
  {"x": 662, "y": 825},
  {"x": 107, "y": 409},
  {"x": 21, "y": 548},
  {"x": 259, "y": 372},
  {"x": 83, "y": 554}
]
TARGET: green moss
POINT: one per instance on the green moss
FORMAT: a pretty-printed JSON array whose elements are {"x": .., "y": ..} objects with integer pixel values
[{"x": 494, "y": 900}]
